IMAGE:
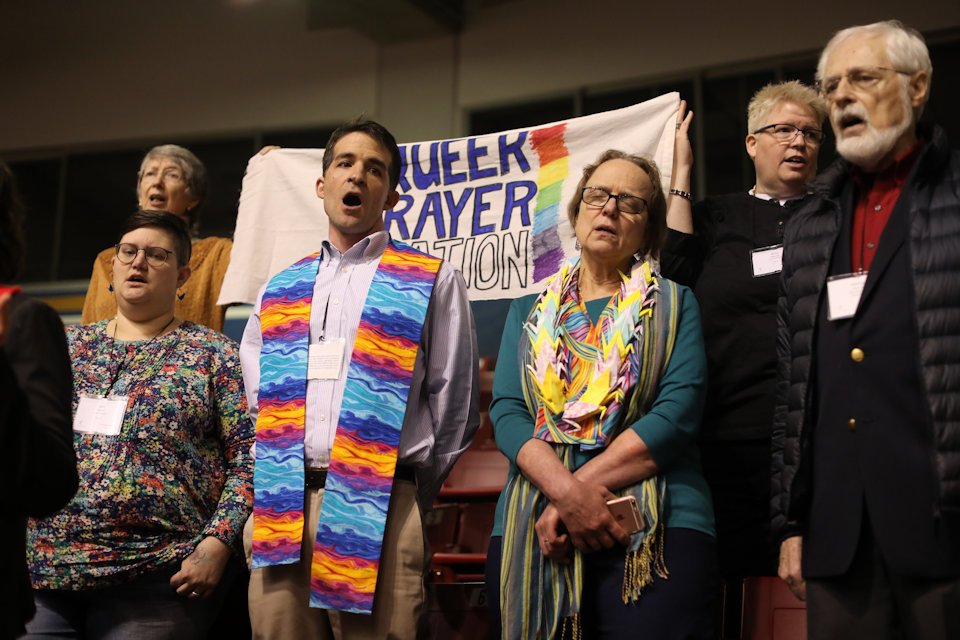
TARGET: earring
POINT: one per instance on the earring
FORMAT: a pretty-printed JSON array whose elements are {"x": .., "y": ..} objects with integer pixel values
[
  {"x": 181, "y": 295},
  {"x": 110, "y": 287},
  {"x": 576, "y": 245}
]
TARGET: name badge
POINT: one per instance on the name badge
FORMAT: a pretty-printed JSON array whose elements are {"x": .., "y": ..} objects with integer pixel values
[
  {"x": 843, "y": 295},
  {"x": 767, "y": 260},
  {"x": 325, "y": 360},
  {"x": 100, "y": 416}
]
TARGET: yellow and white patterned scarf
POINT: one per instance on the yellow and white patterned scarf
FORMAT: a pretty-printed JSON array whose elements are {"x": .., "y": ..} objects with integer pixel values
[{"x": 583, "y": 385}]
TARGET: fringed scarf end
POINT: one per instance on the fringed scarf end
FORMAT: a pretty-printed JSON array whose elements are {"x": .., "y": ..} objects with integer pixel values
[
  {"x": 640, "y": 566},
  {"x": 573, "y": 624}
]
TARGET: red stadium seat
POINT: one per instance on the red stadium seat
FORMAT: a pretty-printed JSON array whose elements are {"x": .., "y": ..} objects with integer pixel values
[
  {"x": 459, "y": 529},
  {"x": 771, "y": 611}
]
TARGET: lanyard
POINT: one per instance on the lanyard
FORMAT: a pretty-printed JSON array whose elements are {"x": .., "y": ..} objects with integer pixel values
[
  {"x": 323, "y": 327},
  {"x": 123, "y": 365}
]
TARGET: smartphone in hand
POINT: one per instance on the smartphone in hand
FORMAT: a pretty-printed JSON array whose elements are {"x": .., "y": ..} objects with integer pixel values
[{"x": 626, "y": 512}]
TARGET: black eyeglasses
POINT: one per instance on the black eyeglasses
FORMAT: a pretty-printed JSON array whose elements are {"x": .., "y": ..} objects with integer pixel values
[
  {"x": 626, "y": 203},
  {"x": 862, "y": 78},
  {"x": 156, "y": 256},
  {"x": 787, "y": 133}
]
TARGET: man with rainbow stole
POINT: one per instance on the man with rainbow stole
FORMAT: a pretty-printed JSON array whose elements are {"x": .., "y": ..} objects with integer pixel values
[{"x": 364, "y": 397}]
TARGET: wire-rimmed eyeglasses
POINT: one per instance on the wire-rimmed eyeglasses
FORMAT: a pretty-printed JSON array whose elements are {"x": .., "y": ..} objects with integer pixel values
[
  {"x": 156, "y": 256},
  {"x": 787, "y": 133},
  {"x": 626, "y": 203},
  {"x": 861, "y": 78}
]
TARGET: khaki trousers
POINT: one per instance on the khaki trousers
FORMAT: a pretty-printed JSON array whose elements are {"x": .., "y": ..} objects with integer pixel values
[{"x": 279, "y": 597}]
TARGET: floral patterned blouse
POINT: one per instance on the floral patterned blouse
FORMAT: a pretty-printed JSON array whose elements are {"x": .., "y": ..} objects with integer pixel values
[{"x": 179, "y": 470}]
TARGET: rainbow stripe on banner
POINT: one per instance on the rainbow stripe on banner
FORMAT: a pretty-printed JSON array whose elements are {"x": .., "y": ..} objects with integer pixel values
[
  {"x": 353, "y": 514},
  {"x": 554, "y": 168}
]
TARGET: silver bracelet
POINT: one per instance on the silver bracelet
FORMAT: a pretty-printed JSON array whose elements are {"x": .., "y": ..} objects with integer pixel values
[{"x": 682, "y": 194}]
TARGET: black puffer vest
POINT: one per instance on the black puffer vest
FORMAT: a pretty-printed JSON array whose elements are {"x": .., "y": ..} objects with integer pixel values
[{"x": 935, "y": 261}]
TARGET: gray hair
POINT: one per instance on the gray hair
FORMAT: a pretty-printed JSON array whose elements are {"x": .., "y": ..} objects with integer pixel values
[
  {"x": 906, "y": 48},
  {"x": 656, "y": 228},
  {"x": 194, "y": 173},
  {"x": 773, "y": 95}
]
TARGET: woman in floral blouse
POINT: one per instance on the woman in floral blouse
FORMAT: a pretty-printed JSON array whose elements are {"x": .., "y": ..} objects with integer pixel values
[{"x": 163, "y": 446}]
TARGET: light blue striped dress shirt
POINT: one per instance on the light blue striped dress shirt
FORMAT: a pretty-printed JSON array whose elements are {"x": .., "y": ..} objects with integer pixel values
[{"x": 442, "y": 412}]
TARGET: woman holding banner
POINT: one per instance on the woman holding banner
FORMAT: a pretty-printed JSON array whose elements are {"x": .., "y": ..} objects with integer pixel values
[
  {"x": 727, "y": 249},
  {"x": 597, "y": 398}
]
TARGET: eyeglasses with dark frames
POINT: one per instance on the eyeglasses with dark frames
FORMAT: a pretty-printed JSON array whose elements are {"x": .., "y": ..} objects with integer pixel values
[
  {"x": 626, "y": 203},
  {"x": 860, "y": 78},
  {"x": 156, "y": 256},
  {"x": 787, "y": 133}
]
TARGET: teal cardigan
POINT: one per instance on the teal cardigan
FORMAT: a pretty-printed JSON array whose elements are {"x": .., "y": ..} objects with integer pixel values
[{"x": 669, "y": 430}]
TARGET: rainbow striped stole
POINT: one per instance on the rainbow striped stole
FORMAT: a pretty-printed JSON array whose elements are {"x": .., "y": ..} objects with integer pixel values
[
  {"x": 278, "y": 476},
  {"x": 353, "y": 515}
]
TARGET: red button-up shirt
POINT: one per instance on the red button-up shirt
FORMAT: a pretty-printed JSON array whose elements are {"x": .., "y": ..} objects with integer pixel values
[{"x": 876, "y": 196}]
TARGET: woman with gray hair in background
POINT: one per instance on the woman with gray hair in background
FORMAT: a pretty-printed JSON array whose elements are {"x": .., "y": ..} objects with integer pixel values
[{"x": 171, "y": 178}]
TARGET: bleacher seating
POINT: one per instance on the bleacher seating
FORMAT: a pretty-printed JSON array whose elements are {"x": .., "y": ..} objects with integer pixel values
[{"x": 458, "y": 530}]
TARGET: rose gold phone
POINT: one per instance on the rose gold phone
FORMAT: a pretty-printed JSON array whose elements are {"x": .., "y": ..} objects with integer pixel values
[{"x": 627, "y": 513}]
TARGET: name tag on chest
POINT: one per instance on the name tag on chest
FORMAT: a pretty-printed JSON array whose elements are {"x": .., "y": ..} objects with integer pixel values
[
  {"x": 325, "y": 360},
  {"x": 843, "y": 295},
  {"x": 767, "y": 260},
  {"x": 100, "y": 416}
]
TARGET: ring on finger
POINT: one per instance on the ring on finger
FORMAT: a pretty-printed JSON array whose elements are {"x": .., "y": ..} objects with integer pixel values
[{"x": 194, "y": 595}]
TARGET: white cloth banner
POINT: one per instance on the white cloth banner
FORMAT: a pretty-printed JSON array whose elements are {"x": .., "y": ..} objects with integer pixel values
[{"x": 493, "y": 205}]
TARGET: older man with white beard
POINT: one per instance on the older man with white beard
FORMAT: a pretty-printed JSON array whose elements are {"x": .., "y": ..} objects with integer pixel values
[{"x": 866, "y": 444}]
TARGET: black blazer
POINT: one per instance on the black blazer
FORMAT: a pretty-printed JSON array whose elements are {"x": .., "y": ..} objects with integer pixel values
[
  {"x": 38, "y": 472},
  {"x": 872, "y": 435},
  {"x": 930, "y": 319}
]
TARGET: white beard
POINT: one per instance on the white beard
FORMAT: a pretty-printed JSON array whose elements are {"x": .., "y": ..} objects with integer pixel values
[{"x": 870, "y": 147}]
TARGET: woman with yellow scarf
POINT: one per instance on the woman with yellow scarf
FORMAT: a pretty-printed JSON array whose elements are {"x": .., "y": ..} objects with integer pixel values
[{"x": 598, "y": 394}]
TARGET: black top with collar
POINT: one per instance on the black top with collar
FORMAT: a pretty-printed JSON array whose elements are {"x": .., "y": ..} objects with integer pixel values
[{"x": 738, "y": 310}]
